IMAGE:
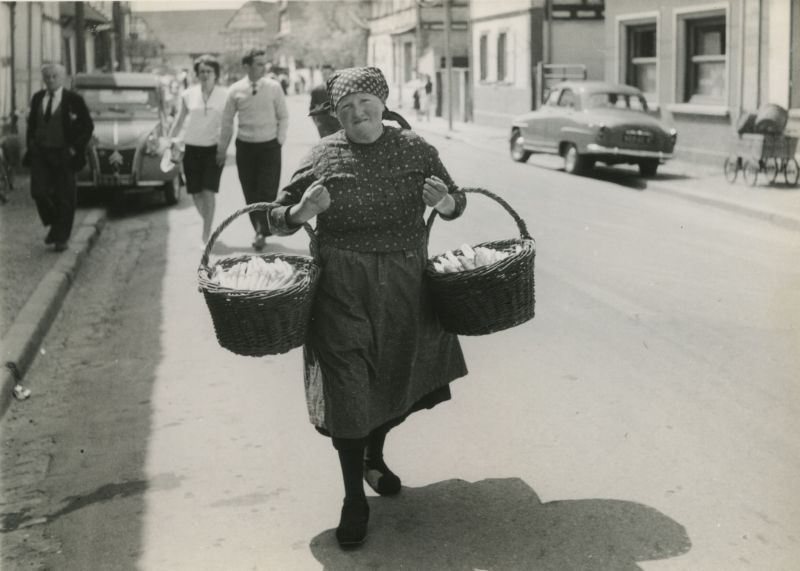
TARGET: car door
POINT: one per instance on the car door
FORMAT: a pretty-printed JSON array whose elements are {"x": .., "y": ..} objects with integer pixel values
[
  {"x": 562, "y": 119},
  {"x": 536, "y": 128}
]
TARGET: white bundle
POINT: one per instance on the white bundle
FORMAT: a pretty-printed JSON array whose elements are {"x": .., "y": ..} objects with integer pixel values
[
  {"x": 470, "y": 258},
  {"x": 256, "y": 274}
]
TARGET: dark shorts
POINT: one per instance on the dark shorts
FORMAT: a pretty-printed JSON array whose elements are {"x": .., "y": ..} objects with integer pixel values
[{"x": 200, "y": 169}]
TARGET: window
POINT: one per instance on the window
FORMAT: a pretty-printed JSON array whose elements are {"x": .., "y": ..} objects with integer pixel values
[
  {"x": 484, "y": 57},
  {"x": 704, "y": 75},
  {"x": 641, "y": 58},
  {"x": 501, "y": 56},
  {"x": 408, "y": 61},
  {"x": 568, "y": 99}
]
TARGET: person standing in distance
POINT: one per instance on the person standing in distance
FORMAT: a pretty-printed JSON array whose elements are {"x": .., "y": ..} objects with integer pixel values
[
  {"x": 319, "y": 110},
  {"x": 59, "y": 128},
  {"x": 201, "y": 110},
  {"x": 260, "y": 105}
]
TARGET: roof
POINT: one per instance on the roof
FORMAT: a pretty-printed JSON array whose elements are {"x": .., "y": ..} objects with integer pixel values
[
  {"x": 593, "y": 86},
  {"x": 118, "y": 79},
  {"x": 188, "y": 31}
]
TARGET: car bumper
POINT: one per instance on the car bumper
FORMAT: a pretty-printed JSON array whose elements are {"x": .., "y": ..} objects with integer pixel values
[{"x": 594, "y": 148}]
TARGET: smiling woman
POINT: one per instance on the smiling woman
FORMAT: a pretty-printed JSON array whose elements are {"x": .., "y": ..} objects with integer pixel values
[{"x": 375, "y": 351}]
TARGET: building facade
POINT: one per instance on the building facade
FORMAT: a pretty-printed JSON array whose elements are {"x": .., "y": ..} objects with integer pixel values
[
  {"x": 406, "y": 40},
  {"x": 704, "y": 63},
  {"x": 513, "y": 38}
]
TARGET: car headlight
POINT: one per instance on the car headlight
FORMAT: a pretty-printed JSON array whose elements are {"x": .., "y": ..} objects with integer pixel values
[
  {"x": 673, "y": 135},
  {"x": 602, "y": 134}
]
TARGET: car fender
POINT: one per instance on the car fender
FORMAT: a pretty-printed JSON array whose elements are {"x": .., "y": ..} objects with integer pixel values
[{"x": 578, "y": 135}]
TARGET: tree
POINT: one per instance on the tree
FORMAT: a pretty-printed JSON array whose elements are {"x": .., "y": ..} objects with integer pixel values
[{"x": 331, "y": 32}]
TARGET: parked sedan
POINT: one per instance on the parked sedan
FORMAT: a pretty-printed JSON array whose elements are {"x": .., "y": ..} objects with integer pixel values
[
  {"x": 590, "y": 121},
  {"x": 130, "y": 135}
]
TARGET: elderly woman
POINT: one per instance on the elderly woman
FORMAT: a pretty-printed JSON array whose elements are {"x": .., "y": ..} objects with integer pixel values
[{"x": 375, "y": 351}]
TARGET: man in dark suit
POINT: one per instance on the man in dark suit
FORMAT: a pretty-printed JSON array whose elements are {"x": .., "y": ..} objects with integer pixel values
[
  {"x": 59, "y": 128},
  {"x": 320, "y": 112}
]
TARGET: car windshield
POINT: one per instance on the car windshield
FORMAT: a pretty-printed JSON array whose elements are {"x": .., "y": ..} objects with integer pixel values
[
  {"x": 137, "y": 102},
  {"x": 612, "y": 100}
]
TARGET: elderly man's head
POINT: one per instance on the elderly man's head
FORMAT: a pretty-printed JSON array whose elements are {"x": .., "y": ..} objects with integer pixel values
[{"x": 53, "y": 75}]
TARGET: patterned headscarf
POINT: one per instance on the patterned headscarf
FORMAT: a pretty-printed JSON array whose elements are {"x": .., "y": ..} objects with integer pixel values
[{"x": 357, "y": 80}]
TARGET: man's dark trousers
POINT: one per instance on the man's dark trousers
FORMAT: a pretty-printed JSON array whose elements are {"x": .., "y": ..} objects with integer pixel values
[
  {"x": 259, "y": 167},
  {"x": 53, "y": 190}
]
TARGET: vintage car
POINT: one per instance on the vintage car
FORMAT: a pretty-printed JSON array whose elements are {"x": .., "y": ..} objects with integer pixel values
[
  {"x": 130, "y": 135},
  {"x": 591, "y": 121}
]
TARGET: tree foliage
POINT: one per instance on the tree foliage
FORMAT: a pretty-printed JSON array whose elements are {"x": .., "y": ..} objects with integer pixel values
[{"x": 332, "y": 32}]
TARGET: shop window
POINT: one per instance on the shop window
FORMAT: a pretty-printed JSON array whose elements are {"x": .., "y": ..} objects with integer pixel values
[
  {"x": 641, "y": 58},
  {"x": 706, "y": 61},
  {"x": 484, "y": 57}
]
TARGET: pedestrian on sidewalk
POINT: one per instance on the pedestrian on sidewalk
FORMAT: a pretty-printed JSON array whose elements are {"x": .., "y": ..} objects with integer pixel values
[
  {"x": 260, "y": 105},
  {"x": 323, "y": 117},
  {"x": 201, "y": 110},
  {"x": 59, "y": 128},
  {"x": 375, "y": 351}
]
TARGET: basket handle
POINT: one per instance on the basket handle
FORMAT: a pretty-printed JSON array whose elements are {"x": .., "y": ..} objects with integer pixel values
[
  {"x": 256, "y": 206},
  {"x": 523, "y": 229}
]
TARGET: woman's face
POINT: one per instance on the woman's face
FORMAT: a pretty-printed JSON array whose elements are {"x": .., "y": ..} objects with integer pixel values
[
  {"x": 360, "y": 114},
  {"x": 206, "y": 74}
]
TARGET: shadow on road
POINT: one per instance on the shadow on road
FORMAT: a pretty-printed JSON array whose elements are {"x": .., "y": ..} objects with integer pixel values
[{"x": 501, "y": 524}]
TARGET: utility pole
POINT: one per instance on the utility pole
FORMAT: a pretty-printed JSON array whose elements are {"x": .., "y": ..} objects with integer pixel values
[
  {"x": 448, "y": 65},
  {"x": 80, "y": 38},
  {"x": 119, "y": 36}
]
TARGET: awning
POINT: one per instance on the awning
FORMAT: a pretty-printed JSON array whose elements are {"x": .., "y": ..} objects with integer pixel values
[{"x": 403, "y": 30}]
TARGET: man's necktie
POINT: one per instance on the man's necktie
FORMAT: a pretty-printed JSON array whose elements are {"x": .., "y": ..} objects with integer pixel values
[{"x": 49, "y": 111}]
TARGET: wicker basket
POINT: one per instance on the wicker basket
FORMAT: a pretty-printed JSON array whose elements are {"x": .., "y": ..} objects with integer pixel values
[
  {"x": 258, "y": 323},
  {"x": 489, "y": 298}
]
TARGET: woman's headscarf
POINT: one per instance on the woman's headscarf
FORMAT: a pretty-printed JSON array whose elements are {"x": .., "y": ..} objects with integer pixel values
[{"x": 358, "y": 80}]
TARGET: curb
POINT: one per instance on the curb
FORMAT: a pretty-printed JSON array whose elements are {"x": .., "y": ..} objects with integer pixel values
[
  {"x": 22, "y": 340},
  {"x": 788, "y": 222}
]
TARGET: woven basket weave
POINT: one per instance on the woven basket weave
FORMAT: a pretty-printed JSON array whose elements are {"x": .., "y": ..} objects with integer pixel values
[
  {"x": 263, "y": 322},
  {"x": 489, "y": 298}
]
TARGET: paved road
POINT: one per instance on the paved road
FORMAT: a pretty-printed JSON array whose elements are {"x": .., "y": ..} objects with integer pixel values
[{"x": 645, "y": 419}]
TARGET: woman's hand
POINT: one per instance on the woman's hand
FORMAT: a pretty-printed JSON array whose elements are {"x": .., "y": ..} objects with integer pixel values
[
  {"x": 435, "y": 195},
  {"x": 315, "y": 200}
]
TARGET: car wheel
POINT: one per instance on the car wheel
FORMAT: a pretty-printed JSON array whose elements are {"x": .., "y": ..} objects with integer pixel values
[
  {"x": 172, "y": 191},
  {"x": 518, "y": 152},
  {"x": 574, "y": 163},
  {"x": 648, "y": 168}
]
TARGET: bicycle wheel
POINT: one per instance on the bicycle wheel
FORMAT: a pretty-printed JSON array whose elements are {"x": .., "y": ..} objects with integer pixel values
[
  {"x": 791, "y": 171},
  {"x": 750, "y": 172},
  {"x": 731, "y": 168},
  {"x": 772, "y": 166}
]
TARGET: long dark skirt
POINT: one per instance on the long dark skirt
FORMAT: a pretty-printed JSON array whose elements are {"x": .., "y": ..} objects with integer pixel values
[{"x": 376, "y": 350}]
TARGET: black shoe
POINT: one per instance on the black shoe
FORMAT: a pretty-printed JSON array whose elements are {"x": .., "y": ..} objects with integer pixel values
[
  {"x": 259, "y": 242},
  {"x": 380, "y": 478},
  {"x": 352, "y": 528},
  {"x": 49, "y": 238},
  {"x": 59, "y": 246}
]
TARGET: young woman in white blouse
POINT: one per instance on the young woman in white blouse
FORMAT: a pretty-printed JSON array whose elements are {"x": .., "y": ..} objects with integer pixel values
[{"x": 201, "y": 110}]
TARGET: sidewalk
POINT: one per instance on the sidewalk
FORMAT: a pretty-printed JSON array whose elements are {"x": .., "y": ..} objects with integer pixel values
[
  {"x": 704, "y": 184},
  {"x": 34, "y": 279}
]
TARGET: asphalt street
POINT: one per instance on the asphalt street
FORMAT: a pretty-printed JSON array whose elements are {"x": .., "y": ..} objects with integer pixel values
[{"x": 645, "y": 419}]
